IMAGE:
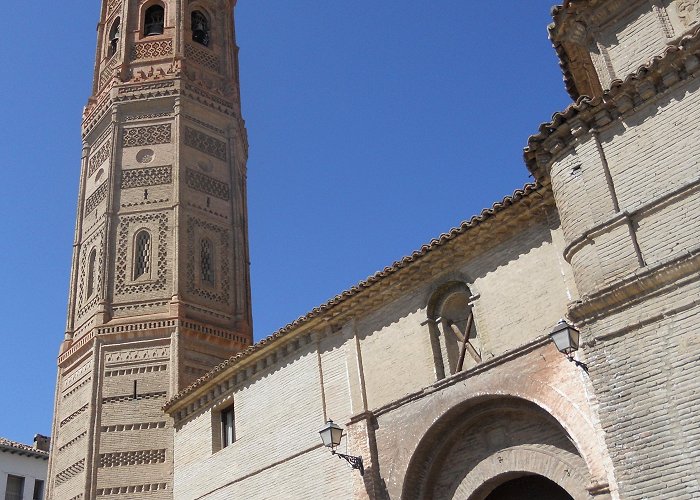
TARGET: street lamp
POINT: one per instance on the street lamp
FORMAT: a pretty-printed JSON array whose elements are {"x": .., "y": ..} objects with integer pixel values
[
  {"x": 566, "y": 337},
  {"x": 331, "y": 435}
]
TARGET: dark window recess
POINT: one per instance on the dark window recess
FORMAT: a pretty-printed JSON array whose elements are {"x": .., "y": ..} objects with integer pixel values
[
  {"x": 200, "y": 28},
  {"x": 14, "y": 490},
  {"x": 228, "y": 431},
  {"x": 154, "y": 20},
  {"x": 142, "y": 256},
  {"x": 135, "y": 393},
  {"x": 113, "y": 38},
  {"x": 91, "y": 273},
  {"x": 38, "y": 490},
  {"x": 206, "y": 262}
]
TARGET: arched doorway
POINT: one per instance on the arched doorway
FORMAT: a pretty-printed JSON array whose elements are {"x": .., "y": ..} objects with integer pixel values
[
  {"x": 496, "y": 445},
  {"x": 528, "y": 486}
]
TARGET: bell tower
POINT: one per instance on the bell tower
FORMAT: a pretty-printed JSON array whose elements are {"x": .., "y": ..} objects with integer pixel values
[{"x": 159, "y": 289}]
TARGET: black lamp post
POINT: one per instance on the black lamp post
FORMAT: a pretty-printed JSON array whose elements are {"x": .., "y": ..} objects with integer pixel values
[
  {"x": 566, "y": 337},
  {"x": 331, "y": 435}
]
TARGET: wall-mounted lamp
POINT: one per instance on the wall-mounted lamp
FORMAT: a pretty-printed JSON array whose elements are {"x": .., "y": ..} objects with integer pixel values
[
  {"x": 331, "y": 435},
  {"x": 566, "y": 338}
]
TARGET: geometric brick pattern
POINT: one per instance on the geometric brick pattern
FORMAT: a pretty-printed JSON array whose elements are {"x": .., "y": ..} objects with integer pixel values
[
  {"x": 99, "y": 157},
  {"x": 95, "y": 198},
  {"x": 130, "y": 397},
  {"x": 209, "y": 185},
  {"x": 73, "y": 415},
  {"x": 146, "y": 50},
  {"x": 205, "y": 143},
  {"x": 140, "y": 488},
  {"x": 146, "y": 136},
  {"x": 151, "y": 176},
  {"x": 121, "y": 284},
  {"x": 132, "y": 458},
  {"x": 70, "y": 472},
  {"x": 134, "y": 427},
  {"x": 202, "y": 57},
  {"x": 221, "y": 292}
]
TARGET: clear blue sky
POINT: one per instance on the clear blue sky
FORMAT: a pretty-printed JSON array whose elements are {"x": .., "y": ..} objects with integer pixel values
[{"x": 374, "y": 126}]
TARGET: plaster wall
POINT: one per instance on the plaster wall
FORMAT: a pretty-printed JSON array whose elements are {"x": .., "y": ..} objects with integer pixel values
[{"x": 28, "y": 467}]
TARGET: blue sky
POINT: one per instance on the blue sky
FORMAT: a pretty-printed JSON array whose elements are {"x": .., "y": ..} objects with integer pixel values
[{"x": 374, "y": 126}]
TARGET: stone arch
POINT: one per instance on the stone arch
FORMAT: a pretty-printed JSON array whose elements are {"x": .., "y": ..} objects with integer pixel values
[{"x": 487, "y": 440}]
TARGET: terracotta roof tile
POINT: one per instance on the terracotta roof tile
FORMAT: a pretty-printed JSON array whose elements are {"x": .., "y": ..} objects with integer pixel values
[
  {"x": 361, "y": 286},
  {"x": 7, "y": 444}
]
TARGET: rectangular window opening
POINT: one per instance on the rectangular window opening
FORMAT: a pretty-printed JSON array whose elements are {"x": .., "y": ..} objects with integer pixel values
[
  {"x": 228, "y": 427},
  {"x": 38, "y": 490},
  {"x": 14, "y": 490}
]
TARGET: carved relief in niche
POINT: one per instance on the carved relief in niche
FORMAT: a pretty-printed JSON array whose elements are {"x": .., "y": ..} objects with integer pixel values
[
  {"x": 196, "y": 231},
  {"x": 158, "y": 224},
  {"x": 688, "y": 11},
  {"x": 146, "y": 136}
]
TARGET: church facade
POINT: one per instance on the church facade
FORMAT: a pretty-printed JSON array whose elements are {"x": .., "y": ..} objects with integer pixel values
[{"x": 439, "y": 369}]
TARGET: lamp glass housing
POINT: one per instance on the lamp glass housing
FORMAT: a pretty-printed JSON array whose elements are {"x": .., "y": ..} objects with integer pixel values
[
  {"x": 565, "y": 337},
  {"x": 331, "y": 434}
]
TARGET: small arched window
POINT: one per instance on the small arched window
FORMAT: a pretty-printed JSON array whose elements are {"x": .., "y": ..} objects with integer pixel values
[
  {"x": 154, "y": 20},
  {"x": 113, "y": 38},
  {"x": 206, "y": 262},
  {"x": 91, "y": 273},
  {"x": 142, "y": 254},
  {"x": 200, "y": 28},
  {"x": 457, "y": 345}
]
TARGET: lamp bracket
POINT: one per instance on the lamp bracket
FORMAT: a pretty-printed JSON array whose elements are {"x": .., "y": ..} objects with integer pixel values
[
  {"x": 578, "y": 363},
  {"x": 355, "y": 462}
]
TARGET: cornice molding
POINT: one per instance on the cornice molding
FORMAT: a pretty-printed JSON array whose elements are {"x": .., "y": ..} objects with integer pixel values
[{"x": 678, "y": 64}]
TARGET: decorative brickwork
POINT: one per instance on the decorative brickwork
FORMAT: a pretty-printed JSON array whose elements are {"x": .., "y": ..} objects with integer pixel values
[
  {"x": 112, "y": 5},
  {"x": 209, "y": 185},
  {"x": 95, "y": 242},
  {"x": 77, "y": 388},
  {"x": 205, "y": 143},
  {"x": 96, "y": 198},
  {"x": 130, "y": 397},
  {"x": 150, "y": 176},
  {"x": 149, "y": 50},
  {"x": 73, "y": 441},
  {"x": 195, "y": 228},
  {"x": 136, "y": 370},
  {"x": 204, "y": 57},
  {"x": 124, "y": 285},
  {"x": 137, "y": 489},
  {"x": 70, "y": 472},
  {"x": 131, "y": 355},
  {"x": 132, "y": 458},
  {"x": 99, "y": 158},
  {"x": 146, "y": 136},
  {"x": 134, "y": 427},
  {"x": 75, "y": 414}
]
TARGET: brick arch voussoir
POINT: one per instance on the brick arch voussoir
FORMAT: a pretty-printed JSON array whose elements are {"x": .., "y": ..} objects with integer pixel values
[{"x": 567, "y": 412}]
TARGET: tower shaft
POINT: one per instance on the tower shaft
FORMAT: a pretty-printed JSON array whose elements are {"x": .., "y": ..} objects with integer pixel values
[{"x": 159, "y": 290}]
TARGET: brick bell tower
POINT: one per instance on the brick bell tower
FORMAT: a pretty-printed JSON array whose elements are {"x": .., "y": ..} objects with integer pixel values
[{"x": 159, "y": 290}]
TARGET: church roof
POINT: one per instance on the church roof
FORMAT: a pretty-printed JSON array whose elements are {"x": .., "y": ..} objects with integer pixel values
[
  {"x": 379, "y": 276},
  {"x": 7, "y": 445}
]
